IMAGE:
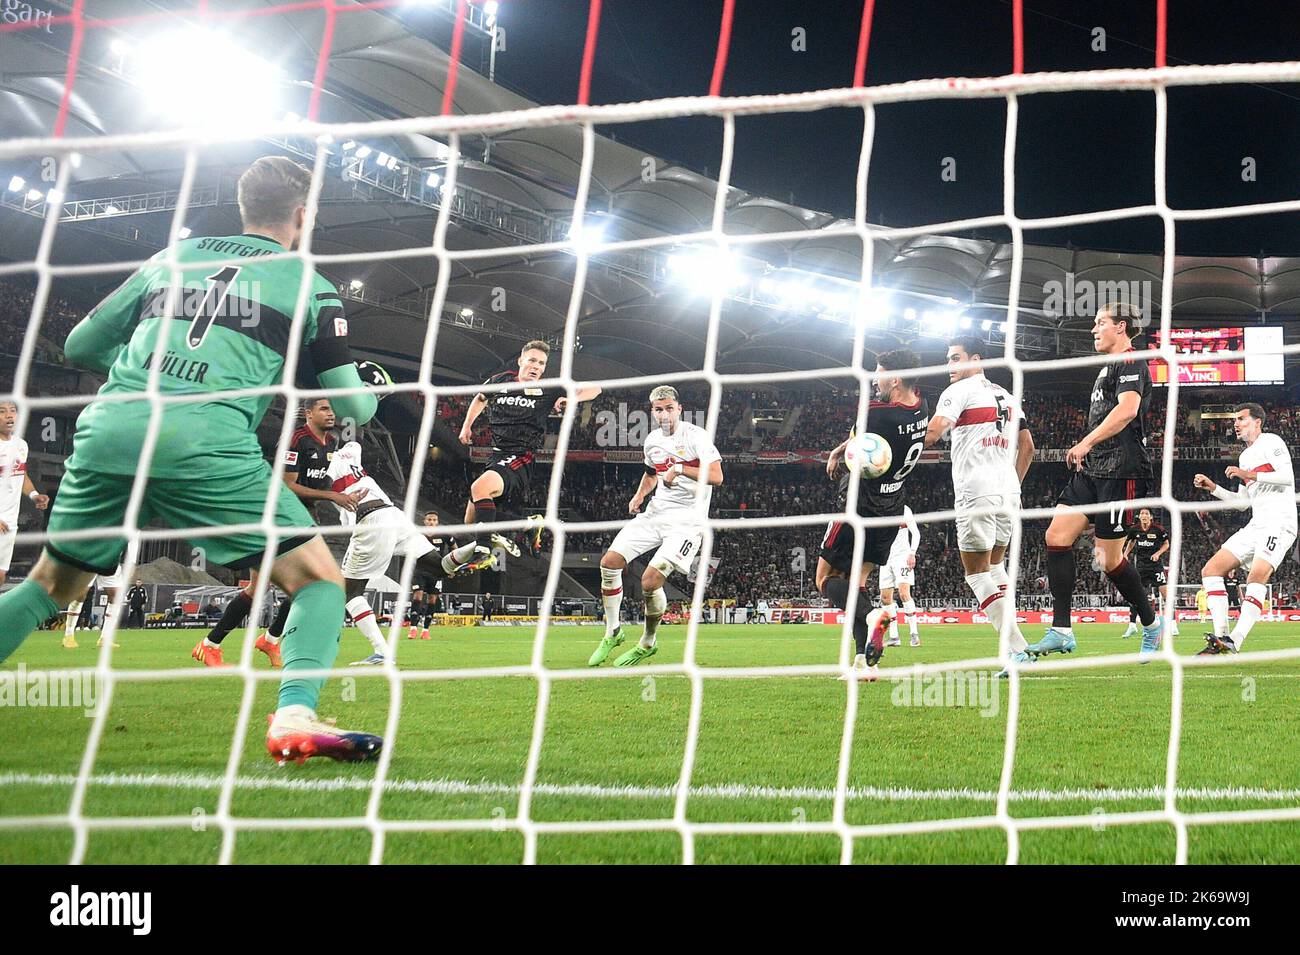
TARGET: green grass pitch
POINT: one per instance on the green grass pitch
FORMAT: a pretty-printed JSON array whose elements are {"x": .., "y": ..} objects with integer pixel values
[{"x": 1090, "y": 740}]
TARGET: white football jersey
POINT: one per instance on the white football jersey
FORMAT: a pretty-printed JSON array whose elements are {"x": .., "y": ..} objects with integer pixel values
[
  {"x": 985, "y": 432},
  {"x": 690, "y": 445},
  {"x": 347, "y": 476},
  {"x": 1270, "y": 504},
  {"x": 908, "y": 538},
  {"x": 13, "y": 472}
]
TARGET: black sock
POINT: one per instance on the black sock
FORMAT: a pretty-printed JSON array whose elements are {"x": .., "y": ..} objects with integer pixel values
[
  {"x": 1126, "y": 579},
  {"x": 231, "y": 617},
  {"x": 1132, "y": 614},
  {"x": 1060, "y": 579},
  {"x": 861, "y": 634},
  {"x": 281, "y": 615},
  {"x": 836, "y": 590},
  {"x": 485, "y": 512}
]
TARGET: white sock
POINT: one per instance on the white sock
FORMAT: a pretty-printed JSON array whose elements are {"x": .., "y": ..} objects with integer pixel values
[
  {"x": 295, "y": 711},
  {"x": 893, "y": 628},
  {"x": 209, "y": 643},
  {"x": 992, "y": 602},
  {"x": 656, "y": 602},
  {"x": 453, "y": 560},
  {"x": 611, "y": 596},
  {"x": 1216, "y": 598},
  {"x": 70, "y": 619},
  {"x": 909, "y": 613},
  {"x": 999, "y": 574},
  {"x": 1252, "y": 605},
  {"x": 364, "y": 618}
]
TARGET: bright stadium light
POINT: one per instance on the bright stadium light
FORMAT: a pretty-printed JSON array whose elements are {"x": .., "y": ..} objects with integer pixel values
[
  {"x": 54, "y": 197},
  {"x": 35, "y": 195},
  {"x": 17, "y": 184},
  {"x": 184, "y": 232},
  {"x": 111, "y": 210},
  {"x": 356, "y": 285},
  {"x": 490, "y": 12},
  {"x": 204, "y": 77},
  {"x": 588, "y": 235},
  {"x": 909, "y": 314},
  {"x": 350, "y": 145},
  {"x": 467, "y": 312},
  {"x": 986, "y": 324},
  {"x": 363, "y": 152},
  {"x": 706, "y": 269},
  {"x": 383, "y": 159},
  {"x": 433, "y": 180},
  {"x": 965, "y": 321}
]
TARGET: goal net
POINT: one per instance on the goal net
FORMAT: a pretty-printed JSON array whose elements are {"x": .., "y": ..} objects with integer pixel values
[{"x": 405, "y": 755}]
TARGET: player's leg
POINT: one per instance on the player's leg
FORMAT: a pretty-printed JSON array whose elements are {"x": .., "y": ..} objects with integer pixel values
[
  {"x": 51, "y": 584},
  {"x": 1067, "y": 524},
  {"x": 1162, "y": 580},
  {"x": 675, "y": 553},
  {"x": 371, "y": 548},
  {"x": 483, "y": 495},
  {"x": 71, "y": 617},
  {"x": 1271, "y": 547},
  {"x": 887, "y": 581},
  {"x": 363, "y": 618},
  {"x": 633, "y": 539},
  {"x": 909, "y": 613},
  {"x": 1236, "y": 550}
]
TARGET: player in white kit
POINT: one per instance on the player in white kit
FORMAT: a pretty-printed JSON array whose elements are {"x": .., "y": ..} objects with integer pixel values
[
  {"x": 380, "y": 532},
  {"x": 678, "y": 457},
  {"x": 1269, "y": 487},
  {"x": 991, "y": 451},
  {"x": 14, "y": 483},
  {"x": 112, "y": 586},
  {"x": 900, "y": 571}
]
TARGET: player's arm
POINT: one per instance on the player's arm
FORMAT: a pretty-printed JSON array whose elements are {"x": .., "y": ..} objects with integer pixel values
[
  {"x": 1024, "y": 451},
  {"x": 331, "y": 356},
  {"x": 1127, "y": 406},
  {"x": 471, "y": 415},
  {"x": 711, "y": 474},
  {"x": 913, "y": 537},
  {"x": 1278, "y": 469},
  {"x": 1206, "y": 484},
  {"x": 836, "y": 455},
  {"x": 645, "y": 486},
  {"x": 1164, "y": 549},
  {"x": 938, "y": 428},
  {"x": 346, "y": 501},
  {"x": 583, "y": 394},
  {"x": 42, "y": 501},
  {"x": 96, "y": 340}
]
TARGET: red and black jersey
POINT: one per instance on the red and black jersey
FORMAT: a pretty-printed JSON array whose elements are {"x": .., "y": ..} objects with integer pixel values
[
  {"x": 518, "y": 418},
  {"x": 1147, "y": 542},
  {"x": 903, "y": 426},
  {"x": 310, "y": 458}
]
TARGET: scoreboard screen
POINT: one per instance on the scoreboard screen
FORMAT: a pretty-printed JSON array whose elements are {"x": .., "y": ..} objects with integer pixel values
[{"x": 1263, "y": 364}]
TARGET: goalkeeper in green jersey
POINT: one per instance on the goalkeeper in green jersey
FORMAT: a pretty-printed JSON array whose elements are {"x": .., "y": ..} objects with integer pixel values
[{"x": 225, "y": 329}]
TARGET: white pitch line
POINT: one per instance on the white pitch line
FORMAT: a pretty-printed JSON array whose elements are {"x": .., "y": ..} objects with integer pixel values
[{"x": 457, "y": 787}]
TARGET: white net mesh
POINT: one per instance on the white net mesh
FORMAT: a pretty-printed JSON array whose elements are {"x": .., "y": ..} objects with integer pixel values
[{"x": 452, "y": 128}]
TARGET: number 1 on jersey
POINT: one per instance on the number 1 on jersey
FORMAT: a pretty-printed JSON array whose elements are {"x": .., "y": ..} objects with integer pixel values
[{"x": 218, "y": 287}]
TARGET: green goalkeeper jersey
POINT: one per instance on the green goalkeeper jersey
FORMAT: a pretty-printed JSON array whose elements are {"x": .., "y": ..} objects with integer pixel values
[{"x": 226, "y": 328}]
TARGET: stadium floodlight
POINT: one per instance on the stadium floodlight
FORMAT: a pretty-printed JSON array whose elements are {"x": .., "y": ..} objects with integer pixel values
[
  {"x": 356, "y": 285},
  {"x": 363, "y": 152},
  {"x": 706, "y": 269},
  {"x": 383, "y": 159},
  {"x": 111, "y": 210},
  {"x": 350, "y": 145},
  {"x": 467, "y": 312},
  {"x": 909, "y": 314},
  {"x": 986, "y": 324},
  {"x": 184, "y": 232},
  {"x": 966, "y": 321},
  {"x": 203, "y": 77},
  {"x": 17, "y": 184},
  {"x": 588, "y": 235},
  {"x": 35, "y": 195},
  {"x": 433, "y": 180},
  {"x": 490, "y": 12},
  {"x": 54, "y": 197}
]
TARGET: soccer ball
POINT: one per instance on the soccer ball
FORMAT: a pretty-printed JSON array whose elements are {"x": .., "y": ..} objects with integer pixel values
[{"x": 869, "y": 454}]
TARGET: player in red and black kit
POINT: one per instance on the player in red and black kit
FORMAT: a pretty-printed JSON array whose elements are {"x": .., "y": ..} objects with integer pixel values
[
  {"x": 306, "y": 472},
  {"x": 901, "y": 418},
  {"x": 518, "y": 422},
  {"x": 1110, "y": 466},
  {"x": 1146, "y": 545}
]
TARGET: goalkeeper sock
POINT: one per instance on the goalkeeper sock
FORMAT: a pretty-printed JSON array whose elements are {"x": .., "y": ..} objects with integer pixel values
[
  {"x": 22, "y": 610},
  {"x": 1216, "y": 598},
  {"x": 485, "y": 512},
  {"x": 1252, "y": 605},
  {"x": 236, "y": 610},
  {"x": 1060, "y": 578},
  {"x": 70, "y": 618},
  {"x": 364, "y": 618},
  {"x": 311, "y": 641},
  {"x": 1128, "y": 582},
  {"x": 277, "y": 625},
  {"x": 611, "y": 596},
  {"x": 656, "y": 602}
]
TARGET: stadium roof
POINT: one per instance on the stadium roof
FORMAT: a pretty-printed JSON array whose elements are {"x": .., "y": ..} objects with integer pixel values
[{"x": 643, "y": 312}]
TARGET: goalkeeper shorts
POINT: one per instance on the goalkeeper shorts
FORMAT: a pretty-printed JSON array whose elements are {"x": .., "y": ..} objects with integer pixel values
[{"x": 89, "y": 499}]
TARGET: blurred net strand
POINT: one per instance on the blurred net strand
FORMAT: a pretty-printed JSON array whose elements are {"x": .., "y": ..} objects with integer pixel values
[{"x": 1007, "y": 87}]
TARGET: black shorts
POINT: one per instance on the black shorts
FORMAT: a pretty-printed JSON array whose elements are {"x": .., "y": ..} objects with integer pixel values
[
  {"x": 516, "y": 470},
  {"x": 1084, "y": 489},
  {"x": 837, "y": 546},
  {"x": 1153, "y": 575}
]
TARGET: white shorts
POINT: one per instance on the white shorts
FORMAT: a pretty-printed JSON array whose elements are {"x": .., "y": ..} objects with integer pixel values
[
  {"x": 1255, "y": 540},
  {"x": 896, "y": 572},
  {"x": 678, "y": 543},
  {"x": 111, "y": 581},
  {"x": 977, "y": 533},
  {"x": 7, "y": 550},
  {"x": 379, "y": 537}
]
